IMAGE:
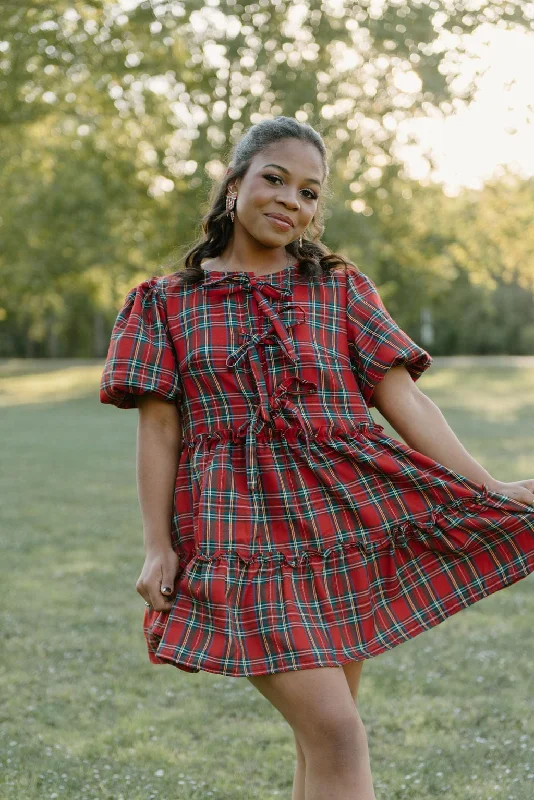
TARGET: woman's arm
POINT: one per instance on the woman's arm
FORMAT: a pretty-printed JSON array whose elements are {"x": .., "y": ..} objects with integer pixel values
[
  {"x": 159, "y": 443},
  {"x": 423, "y": 427}
]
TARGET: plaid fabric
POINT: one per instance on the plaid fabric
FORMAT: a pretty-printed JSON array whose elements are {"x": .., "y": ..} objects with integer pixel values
[{"x": 307, "y": 536}]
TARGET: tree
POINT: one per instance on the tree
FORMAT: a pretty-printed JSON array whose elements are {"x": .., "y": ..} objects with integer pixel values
[{"x": 117, "y": 115}]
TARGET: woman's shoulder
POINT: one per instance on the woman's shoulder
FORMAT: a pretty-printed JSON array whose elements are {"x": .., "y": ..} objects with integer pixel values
[
  {"x": 145, "y": 286},
  {"x": 360, "y": 287},
  {"x": 162, "y": 284},
  {"x": 351, "y": 271}
]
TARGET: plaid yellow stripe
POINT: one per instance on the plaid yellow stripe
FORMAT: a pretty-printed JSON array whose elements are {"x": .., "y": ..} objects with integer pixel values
[{"x": 307, "y": 536}]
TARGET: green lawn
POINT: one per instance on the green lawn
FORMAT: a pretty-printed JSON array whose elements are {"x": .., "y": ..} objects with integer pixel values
[{"x": 85, "y": 715}]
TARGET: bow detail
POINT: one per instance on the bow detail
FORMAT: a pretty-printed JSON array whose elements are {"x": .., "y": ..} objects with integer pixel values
[
  {"x": 279, "y": 400},
  {"x": 288, "y": 316},
  {"x": 277, "y": 324}
]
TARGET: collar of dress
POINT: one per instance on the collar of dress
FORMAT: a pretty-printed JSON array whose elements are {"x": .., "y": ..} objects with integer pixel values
[{"x": 273, "y": 284}]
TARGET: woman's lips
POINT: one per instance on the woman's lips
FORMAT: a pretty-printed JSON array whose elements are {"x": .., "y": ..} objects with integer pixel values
[{"x": 285, "y": 226}]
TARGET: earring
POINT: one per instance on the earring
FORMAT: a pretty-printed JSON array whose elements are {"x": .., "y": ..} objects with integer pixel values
[
  {"x": 300, "y": 241},
  {"x": 230, "y": 203}
]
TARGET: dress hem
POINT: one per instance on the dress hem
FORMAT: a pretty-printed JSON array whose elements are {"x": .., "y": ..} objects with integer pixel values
[{"x": 410, "y": 632}]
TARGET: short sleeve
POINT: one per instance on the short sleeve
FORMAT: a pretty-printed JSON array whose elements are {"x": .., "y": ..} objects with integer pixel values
[
  {"x": 141, "y": 356},
  {"x": 376, "y": 343}
]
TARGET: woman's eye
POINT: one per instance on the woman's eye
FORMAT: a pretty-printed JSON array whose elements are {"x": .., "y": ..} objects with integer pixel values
[{"x": 311, "y": 195}]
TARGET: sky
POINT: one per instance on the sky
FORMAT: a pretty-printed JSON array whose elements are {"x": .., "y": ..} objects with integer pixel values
[{"x": 498, "y": 126}]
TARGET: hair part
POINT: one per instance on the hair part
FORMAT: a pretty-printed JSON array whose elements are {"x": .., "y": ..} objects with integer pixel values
[{"x": 217, "y": 228}]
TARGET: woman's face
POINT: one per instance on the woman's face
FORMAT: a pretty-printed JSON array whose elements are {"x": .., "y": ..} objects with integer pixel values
[{"x": 290, "y": 188}]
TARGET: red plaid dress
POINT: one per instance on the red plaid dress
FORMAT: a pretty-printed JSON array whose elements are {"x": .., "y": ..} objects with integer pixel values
[{"x": 307, "y": 536}]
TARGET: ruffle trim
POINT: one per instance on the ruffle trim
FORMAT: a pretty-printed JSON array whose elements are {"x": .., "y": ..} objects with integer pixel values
[
  {"x": 398, "y": 535},
  {"x": 292, "y": 432},
  {"x": 439, "y": 517}
]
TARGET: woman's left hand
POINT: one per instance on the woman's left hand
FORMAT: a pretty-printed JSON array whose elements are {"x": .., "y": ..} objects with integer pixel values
[{"x": 517, "y": 490}]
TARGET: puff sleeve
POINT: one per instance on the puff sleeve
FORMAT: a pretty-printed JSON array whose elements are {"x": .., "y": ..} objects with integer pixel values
[
  {"x": 141, "y": 356},
  {"x": 376, "y": 343}
]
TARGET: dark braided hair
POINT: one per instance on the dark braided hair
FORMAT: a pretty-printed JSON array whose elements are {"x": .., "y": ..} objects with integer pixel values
[{"x": 313, "y": 256}]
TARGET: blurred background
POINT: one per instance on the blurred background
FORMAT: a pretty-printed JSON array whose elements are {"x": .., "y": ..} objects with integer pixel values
[{"x": 115, "y": 118}]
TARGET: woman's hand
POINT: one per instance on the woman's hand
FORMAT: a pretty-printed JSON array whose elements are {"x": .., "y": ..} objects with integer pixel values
[
  {"x": 517, "y": 490},
  {"x": 159, "y": 570}
]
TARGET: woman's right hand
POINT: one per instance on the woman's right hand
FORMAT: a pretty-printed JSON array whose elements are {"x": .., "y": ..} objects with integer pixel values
[{"x": 160, "y": 569}]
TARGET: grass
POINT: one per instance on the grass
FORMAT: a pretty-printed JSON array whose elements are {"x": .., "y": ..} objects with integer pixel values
[{"x": 85, "y": 715}]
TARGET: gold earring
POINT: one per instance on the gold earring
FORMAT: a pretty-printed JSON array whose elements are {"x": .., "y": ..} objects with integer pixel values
[
  {"x": 230, "y": 203},
  {"x": 300, "y": 241}
]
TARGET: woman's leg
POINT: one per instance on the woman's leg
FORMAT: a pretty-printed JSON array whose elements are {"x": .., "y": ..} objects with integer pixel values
[
  {"x": 319, "y": 707},
  {"x": 299, "y": 779},
  {"x": 353, "y": 671}
]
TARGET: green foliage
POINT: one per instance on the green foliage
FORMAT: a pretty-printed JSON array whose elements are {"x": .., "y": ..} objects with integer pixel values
[
  {"x": 468, "y": 259},
  {"x": 116, "y": 118}
]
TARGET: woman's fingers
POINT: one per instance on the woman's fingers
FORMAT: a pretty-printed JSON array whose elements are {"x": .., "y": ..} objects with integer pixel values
[
  {"x": 527, "y": 497},
  {"x": 156, "y": 581},
  {"x": 158, "y": 600},
  {"x": 522, "y": 491},
  {"x": 168, "y": 574},
  {"x": 523, "y": 495},
  {"x": 525, "y": 492},
  {"x": 151, "y": 593},
  {"x": 529, "y": 486}
]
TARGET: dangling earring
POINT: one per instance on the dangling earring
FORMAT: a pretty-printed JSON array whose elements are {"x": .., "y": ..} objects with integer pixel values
[
  {"x": 300, "y": 241},
  {"x": 230, "y": 203}
]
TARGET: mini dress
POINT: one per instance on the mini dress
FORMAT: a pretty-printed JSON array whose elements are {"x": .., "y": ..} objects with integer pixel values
[{"x": 307, "y": 536}]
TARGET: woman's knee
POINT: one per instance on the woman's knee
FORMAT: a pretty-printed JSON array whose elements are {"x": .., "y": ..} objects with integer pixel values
[
  {"x": 298, "y": 694},
  {"x": 319, "y": 707},
  {"x": 334, "y": 739}
]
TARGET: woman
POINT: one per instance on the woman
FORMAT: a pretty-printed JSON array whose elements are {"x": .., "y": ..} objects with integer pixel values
[{"x": 287, "y": 537}]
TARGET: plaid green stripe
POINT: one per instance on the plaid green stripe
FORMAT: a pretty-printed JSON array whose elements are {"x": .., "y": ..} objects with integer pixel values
[{"x": 307, "y": 536}]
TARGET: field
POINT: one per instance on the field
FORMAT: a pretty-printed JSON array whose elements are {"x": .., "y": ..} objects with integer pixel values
[{"x": 449, "y": 714}]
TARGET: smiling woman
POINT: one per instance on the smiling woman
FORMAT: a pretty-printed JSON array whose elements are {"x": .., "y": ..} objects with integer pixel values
[
  {"x": 287, "y": 535},
  {"x": 284, "y": 200}
]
